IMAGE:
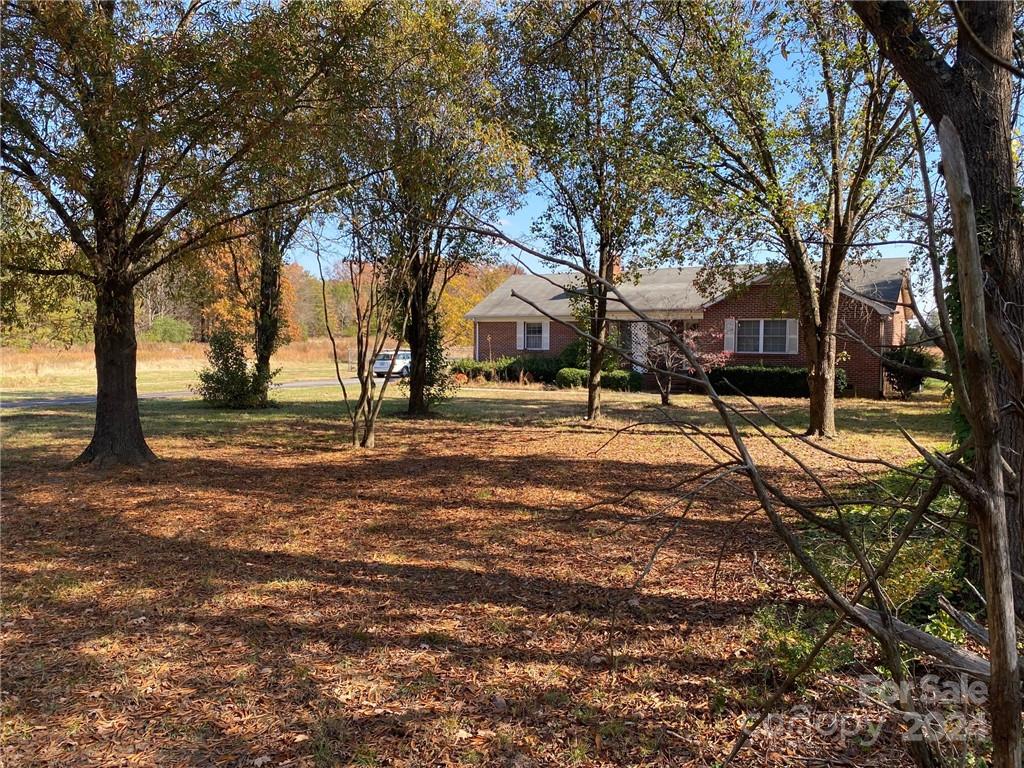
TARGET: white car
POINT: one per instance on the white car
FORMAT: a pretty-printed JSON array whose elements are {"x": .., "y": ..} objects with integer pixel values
[{"x": 384, "y": 365}]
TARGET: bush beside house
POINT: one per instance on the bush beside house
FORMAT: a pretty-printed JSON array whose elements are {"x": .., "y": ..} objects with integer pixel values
[
  {"x": 906, "y": 382},
  {"x": 767, "y": 381}
]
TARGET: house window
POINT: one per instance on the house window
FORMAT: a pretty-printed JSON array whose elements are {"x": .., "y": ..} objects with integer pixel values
[
  {"x": 748, "y": 336},
  {"x": 533, "y": 335},
  {"x": 773, "y": 336},
  {"x": 764, "y": 336}
]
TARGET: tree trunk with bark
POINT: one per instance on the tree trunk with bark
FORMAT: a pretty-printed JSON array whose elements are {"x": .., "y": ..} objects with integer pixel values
[
  {"x": 970, "y": 104},
  {"x": 117, "y": 436},
  {"x": 989, "y": 507},
  {"x": 821, "y": 371},
  {"x": 608, "y": 268},
  {"x": 599, "y": 330},
  {"x": 417, "y": 335},
  {"x": 268, "y": 311},
  {"x": 976, "y": 95},
  {"x": 665, "y": 390}
]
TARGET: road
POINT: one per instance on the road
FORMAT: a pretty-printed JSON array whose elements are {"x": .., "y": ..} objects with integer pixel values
[{"x": 60, "y": 401}]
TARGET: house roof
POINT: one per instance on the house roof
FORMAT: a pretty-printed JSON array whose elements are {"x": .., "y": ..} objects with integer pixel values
[
  {"x": 669, "y": 289},
  {"x": 878, "y": 283}
]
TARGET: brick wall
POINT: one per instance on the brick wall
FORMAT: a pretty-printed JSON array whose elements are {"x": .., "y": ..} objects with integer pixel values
[
  {"x": 863, "y": 370},
  {"x": 498, "y": 339}
]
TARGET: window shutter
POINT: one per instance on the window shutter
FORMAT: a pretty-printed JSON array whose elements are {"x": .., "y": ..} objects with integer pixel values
[
  {"x": 792, "y": 336},
  {"x": 520, "y": 341},
  {"x": 730, "y": 334},
  {"x": 545, "y": 335}
]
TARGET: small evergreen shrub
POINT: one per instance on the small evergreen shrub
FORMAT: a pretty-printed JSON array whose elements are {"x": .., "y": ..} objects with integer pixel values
[
  {"x": 842, "y": 382},
  {"x": 622, "y": 381},
  {"x": 768, "y": 380},
  {"x": 168, "y": 329},
  {"x": 618, "y": 381},
  {"x": 230, "y": 381},
  {"x": 577, "y": 354},
  {"x": 906, "y": 383},
  {"x": 570, "y": 378}
]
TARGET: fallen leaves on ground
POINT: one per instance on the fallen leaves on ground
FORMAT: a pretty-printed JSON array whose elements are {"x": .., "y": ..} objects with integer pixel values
[{"x": 434, "y": 601}]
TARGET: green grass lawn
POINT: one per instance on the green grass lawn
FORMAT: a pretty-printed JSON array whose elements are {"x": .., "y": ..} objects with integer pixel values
[{"x": 867, "y": 426}]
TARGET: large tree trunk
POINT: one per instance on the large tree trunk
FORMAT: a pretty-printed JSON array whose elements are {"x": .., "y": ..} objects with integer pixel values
[
  {"x": 117, "y": 437},
  {"x": 821, "y": 378},
  {"x": 417, "y": 335},
  {"x": 268, "y": 312},
  {"x": 990, "y": 506},
  {"x": 821, "y": 371}
]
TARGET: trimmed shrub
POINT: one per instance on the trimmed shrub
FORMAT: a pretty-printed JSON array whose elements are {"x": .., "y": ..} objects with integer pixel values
[
  {"x": 621, "y": 381},
  {"x": 618, "y": 381},
  {"x": 906, "y": 383},
  {"x": 491, "y": 370},
  {"x": 767, "y": 380},
  {"x": 568, "y": 378},
  {"x": 168, "y": 329}
]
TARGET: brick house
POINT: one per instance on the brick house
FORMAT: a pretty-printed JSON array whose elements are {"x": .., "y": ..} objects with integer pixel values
[{"x": 752, "y": 324}]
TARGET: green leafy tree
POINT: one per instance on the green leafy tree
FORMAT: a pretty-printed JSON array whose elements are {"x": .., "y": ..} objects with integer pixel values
[
  {"x": 443, "y": 154},
  {"x": 35, "y": 308},
  {"x": 579, "y": 87},
  {"x": 806, "y": 167},
  {"x": 128, "y": 124}
]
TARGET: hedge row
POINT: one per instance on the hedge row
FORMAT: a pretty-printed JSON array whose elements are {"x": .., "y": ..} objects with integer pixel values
[
  {"x": 542, "y": 369},
  {"x": 621, "y": 381},
  {"x": 768, "y": 381},
  {"x": 491, "y": 370}
]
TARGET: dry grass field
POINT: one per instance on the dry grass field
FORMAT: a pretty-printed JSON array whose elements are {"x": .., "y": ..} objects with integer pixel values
[
  {"x": 266, "y": 596},
  {"x": 162, "y": 367}
]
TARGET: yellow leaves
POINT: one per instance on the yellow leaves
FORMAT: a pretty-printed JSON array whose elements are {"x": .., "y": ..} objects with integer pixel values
[{"x": 463, "y": 292}]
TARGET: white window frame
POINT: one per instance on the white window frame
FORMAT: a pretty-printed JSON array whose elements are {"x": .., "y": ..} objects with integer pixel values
[
  {"x": 539, "y": 336},
  {"x": 792, "y": 337}
]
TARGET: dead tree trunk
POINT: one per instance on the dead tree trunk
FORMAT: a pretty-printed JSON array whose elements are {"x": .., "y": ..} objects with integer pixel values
[{"x": 989, "y": 506}]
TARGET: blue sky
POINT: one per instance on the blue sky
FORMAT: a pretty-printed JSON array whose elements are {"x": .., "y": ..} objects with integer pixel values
[{"x": 515, "y": 224}]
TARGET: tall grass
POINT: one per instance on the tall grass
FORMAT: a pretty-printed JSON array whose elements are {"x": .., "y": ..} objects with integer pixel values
[
  {"x": 58, "y": 368},
  {"x": 161, "y": 365}
]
